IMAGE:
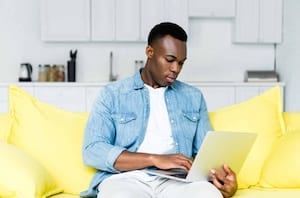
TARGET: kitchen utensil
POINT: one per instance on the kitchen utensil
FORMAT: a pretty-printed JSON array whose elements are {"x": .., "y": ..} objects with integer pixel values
[{"x": 72, "y": 66}]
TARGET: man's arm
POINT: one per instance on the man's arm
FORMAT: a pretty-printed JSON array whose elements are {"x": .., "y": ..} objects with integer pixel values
[{"x": 134, "y": 161}]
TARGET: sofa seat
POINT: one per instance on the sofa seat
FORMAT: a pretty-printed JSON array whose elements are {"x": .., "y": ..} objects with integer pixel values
[
  {"x": 265, "y": 193},
  {"x": 242, "y": 193}
]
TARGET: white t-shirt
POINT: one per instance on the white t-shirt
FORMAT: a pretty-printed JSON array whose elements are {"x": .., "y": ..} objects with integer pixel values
[{"x": 158, "y": 138}]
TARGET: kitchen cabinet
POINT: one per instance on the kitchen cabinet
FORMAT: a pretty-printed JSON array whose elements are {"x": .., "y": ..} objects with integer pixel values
[
  {"x": 115, "y": 20},
  {"x": 211, "y": 8},
  {"x": 103, "y": 20},
  {"x": 64, "y": 97},
  {"x": 218, "y": 96},
  {"x": 79, "y": 97},
  {"x": 151, "y": 13},
  {"x": 127, "y": 20},
  {"x": 156, "y": 11},
  {"x": 244, "y": 93},
  {"x": 107, "y": 20},
  {"x": 65, "y": 20},
  {"x": 91, "y": 93},
  {"x": 258, "y": 21}
]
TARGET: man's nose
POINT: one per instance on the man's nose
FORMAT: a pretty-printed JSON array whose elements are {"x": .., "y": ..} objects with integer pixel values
[{"x": 175, "y": 67}]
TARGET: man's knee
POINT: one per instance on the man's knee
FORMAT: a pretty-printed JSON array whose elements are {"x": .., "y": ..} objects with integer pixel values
[{"x": 119, "y": 188}]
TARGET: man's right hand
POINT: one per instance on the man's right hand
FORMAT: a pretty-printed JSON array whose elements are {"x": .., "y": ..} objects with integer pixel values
[
  {"x": 169, "y": 161},
  {"x": 134, "y": 161}
]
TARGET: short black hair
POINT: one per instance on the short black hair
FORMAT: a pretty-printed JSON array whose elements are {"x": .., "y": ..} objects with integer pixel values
[{"x": 166, "y": 28}]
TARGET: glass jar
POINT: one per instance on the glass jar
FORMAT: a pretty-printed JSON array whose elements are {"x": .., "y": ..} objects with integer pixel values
[
  {"x": 43, "y": 73},
  {"x": 52, "y": 73},
  {"x": 60, "y": 73}
]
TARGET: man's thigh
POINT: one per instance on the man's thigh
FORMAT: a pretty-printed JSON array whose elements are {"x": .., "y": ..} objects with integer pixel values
[
  {"x": 124, "y": 186},
  {"x": 176, "y": 189}
]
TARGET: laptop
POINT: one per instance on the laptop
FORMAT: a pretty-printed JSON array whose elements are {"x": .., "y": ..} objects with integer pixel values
[{"x": 218, "y": 148}]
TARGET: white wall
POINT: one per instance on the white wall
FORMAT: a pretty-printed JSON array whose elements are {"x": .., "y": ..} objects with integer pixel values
[
  {"x": 211, "y": 55},
  {"x": 288, "y": 55}
]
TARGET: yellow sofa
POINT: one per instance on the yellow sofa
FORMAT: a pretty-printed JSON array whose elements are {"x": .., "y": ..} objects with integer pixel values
[{"x": 40, "y": 148}]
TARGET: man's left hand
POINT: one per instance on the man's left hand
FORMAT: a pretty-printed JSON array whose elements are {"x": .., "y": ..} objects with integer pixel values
[{"x": 225, "y": 181}]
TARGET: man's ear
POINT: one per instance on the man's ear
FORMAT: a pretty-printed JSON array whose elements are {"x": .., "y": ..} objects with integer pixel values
[{"x": 149, "y": 51}]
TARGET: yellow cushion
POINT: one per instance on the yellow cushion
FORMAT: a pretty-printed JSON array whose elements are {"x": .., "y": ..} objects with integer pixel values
[
  {"x": 267, "y": 193},
  {"x": 51, "y": 136},
  {"x": 5, "y": 123},
  {"x": 262, "y": 115},
  {"x": 292, "y": 121},
  {"x": 4, "y": 192},
  {"x": 282, "y": 166},
  {"x": 22, "y": 176}
]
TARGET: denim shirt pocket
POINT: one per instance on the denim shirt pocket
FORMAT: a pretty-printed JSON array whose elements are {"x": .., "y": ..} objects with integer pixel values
[
  {"x": 123, "y": 118},
  {"x": 190, "y": 124},
  {"x": 127, "y": 128},
  {"x": 192, "y": 116}
]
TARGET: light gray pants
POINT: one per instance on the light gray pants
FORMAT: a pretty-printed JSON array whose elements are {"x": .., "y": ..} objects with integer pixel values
[{"x": 127, "y": 185}]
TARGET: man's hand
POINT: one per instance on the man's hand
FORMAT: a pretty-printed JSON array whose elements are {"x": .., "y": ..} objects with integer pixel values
[
  {"x": 169, "y": 161},
  {"x": 225, "y": 181},
  {"x": 134, "y": 161}
]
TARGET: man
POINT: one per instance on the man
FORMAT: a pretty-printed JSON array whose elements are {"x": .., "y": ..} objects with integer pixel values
[{"x": 151, "y": 120}]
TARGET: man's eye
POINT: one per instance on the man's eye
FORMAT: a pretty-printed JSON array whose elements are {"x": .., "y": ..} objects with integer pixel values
[{"x": 170, "y": 60}]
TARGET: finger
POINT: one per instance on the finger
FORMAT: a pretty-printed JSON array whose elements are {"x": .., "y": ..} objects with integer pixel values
[
  {"x": 181, "y": 156},
  {"x": 220, "y": 175},
  {"x": 184, "y": 161},
  {"x": 222, "y": 188},
  {"x": 227, "y": 169},
  {"x": 216, "y": 181},
  {"x": 185, "y": 164},
  {"x": 230, "y": 175}
]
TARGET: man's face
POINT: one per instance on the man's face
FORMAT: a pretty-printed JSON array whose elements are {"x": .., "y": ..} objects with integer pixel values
[{"x": 166, "y": 57}]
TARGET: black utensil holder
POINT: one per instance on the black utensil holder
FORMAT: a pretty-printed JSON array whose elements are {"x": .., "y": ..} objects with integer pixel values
[{"x": 71, "y": 71}]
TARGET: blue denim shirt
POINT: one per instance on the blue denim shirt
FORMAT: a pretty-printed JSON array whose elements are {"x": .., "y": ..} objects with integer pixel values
[{"x": 119, "y": 117}]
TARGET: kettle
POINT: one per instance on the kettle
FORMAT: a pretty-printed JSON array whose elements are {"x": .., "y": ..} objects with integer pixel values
[{"x": 25, "y": 72}]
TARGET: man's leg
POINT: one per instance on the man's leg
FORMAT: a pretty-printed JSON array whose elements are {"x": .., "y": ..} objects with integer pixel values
[
  {"x": 124, "y": 186},
  {"x": 176, "y": 189}
]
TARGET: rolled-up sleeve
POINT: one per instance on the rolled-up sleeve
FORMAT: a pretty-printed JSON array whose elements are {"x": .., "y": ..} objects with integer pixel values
[{"x": 98, "y": 149}]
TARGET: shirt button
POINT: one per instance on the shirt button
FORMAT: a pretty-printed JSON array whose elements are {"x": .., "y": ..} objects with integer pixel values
[
  {"x": 194, "y": 118},
  {"x": 172, "y": 121}
]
